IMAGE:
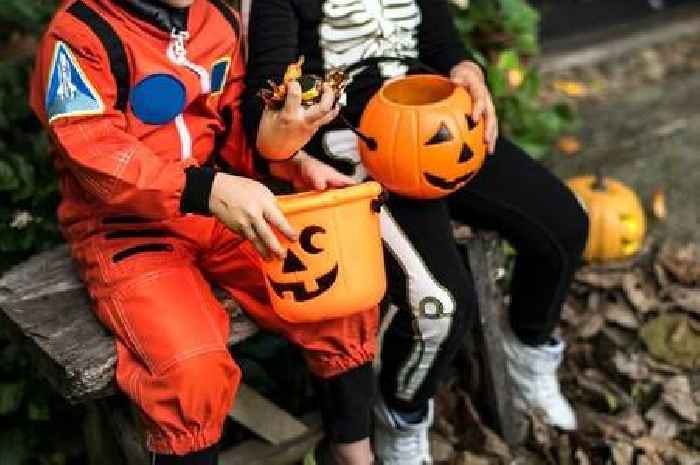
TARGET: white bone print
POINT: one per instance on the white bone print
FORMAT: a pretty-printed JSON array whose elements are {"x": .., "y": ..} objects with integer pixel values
[{"x": 355, "y": 29}]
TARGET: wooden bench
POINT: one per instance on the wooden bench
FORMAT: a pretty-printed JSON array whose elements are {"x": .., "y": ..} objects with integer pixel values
[{"x": 46, "y": 307}]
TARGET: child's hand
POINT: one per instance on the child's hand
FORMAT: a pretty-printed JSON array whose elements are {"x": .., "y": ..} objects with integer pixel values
[
  {"x": 468, "y": 74},
  {"x": 282, "y": 133},
  {"x": 248, "y": 208},
  {"x": 305, "y": 173}
]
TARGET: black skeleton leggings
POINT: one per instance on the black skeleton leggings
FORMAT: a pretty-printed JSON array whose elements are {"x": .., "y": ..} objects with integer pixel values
[{"x": 432, "y": 286}]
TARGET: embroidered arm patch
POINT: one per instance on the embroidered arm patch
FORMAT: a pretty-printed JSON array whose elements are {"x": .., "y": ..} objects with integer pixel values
[{"x": 69, "y": 91}]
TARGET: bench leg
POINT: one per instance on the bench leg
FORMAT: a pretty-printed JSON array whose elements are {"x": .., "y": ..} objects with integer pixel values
[
  {"x": 112, "y": 433},
  {"x": 490, "y": 388},
  {"x": 100, "y": 443}
]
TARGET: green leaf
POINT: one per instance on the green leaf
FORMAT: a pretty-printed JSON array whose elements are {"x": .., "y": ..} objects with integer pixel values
[
  {"x": 8, "y": 179},
  {"x": 508, "y": 59},
  {"x": 11, "y": 397},
  {"x": 498, "y": 83},
  {"x": 13, "y": 447},
  {"x": 38, "y": 410}
]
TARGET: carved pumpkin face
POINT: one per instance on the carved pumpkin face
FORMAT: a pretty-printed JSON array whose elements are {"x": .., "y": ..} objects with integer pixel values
[
  {"x": 292, "y": 281},
  {"x": 616, "y": 217},
  {"x": 336, "y": 267},
  {"x": 426, "y": 144}
]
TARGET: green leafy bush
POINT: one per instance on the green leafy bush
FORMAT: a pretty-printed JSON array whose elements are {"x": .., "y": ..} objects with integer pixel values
[
  {"x": 503, "y": 36},
  {"x": 28, "y": 195}
]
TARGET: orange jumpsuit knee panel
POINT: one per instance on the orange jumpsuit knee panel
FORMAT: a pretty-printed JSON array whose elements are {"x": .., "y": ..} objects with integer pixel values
[{"x": 184, "y": 407}]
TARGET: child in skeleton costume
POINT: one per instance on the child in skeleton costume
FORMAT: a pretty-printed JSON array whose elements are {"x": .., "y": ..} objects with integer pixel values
[
  {"x": 429, "y": 281},
  {"x": 142, "y": 101}
]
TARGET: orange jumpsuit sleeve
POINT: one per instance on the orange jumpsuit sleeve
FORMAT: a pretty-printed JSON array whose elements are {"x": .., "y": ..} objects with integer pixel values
[
  {"x": 238, "y": 150},
  {"x": 109, "y": 163}
]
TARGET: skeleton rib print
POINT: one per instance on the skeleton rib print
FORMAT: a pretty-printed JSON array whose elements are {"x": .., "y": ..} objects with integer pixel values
[{"x": 355, "y": 29}]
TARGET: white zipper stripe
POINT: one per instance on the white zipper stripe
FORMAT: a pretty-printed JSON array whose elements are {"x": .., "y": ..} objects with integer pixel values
[
  {"x": 177, "y": 52},
  {"x": 185, "y": 138}
]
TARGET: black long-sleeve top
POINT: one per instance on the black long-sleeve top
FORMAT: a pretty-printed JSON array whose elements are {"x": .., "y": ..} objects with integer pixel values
[{"x": 282, "y": 30}]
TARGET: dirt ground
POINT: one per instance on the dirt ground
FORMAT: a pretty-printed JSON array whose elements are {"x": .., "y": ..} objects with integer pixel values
[{"x": 641, "y": 124}]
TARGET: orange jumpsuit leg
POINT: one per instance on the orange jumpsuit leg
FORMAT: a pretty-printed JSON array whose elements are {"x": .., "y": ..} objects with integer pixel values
[{"x": 171, "y": 337}]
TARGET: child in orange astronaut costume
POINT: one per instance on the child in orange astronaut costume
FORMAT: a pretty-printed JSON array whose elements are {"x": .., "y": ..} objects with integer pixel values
[{"x": 141, "y": 98}]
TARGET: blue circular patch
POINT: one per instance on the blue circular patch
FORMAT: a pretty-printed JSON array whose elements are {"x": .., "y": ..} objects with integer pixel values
[{"x": 158, "y": 99}]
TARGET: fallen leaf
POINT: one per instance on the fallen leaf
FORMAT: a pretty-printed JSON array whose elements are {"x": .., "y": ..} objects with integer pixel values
[
  {"x": 440, "y": 447},
  {"x": 622, "y": 453},
  {"x": 569, "y": 145},
  {"x": 481, "y": 436},
  {"x": 658, "y": 205},
  {"x": 678, "y": 396},
  {"x": 682, "y": 261},
  {"x": 631, "y": 365},
  {"x": 649, "y": 459},
  {"x": 664, "y": 424},
  {"x": 595, "y": 278},
  {"x": 621, "y": 314},
  {"x": 621, "y": 338},
  {"x": 469, "y": 458},
  {"x": 661, "y": 275},
  {"x": 590, "y": 326},
  {"x": 570, "y": 315},
  {"x": 671, "y": 339},
  {"x": 632, "y": 423},
  {"x": 638, "y": 292},
  {"x": 655, "y": 446},
  {"x": 564, "y": 450},
  {"x": 582, "y": 458},
  {"x": 571, "y": 88},
  {"x": 687, "y": 298}
]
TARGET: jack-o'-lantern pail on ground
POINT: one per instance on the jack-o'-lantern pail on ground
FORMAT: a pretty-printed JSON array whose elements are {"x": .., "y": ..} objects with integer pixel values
[
  {"x": 336, "y": 268},
  {"x": 420, "y": 139},
  {"x": 617, "y": 223}
]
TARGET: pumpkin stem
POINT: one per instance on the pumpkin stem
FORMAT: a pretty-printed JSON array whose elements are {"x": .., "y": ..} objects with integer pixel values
[{"x": 599, "y": 182}]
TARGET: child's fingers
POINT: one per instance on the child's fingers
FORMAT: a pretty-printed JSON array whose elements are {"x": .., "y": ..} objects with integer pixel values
[
  {"x": 274, "y": 216},
  {"x": 293, "y": 100},
  {"x": 328, "y": 117},
  {"x": 319, "y": 112},
  {"x": 268, "y": 238},
  {"x": 327, "y": 98},
  {"x": 340, "y": 180},
  {"x": 479, "y": 105},
  {"x": 249, "y": 233}
]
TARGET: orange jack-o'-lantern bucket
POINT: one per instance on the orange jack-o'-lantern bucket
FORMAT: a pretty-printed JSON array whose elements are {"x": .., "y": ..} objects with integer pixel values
[
  {"x": 419, "y": 139},
  {"x": 336, "y": 268}
]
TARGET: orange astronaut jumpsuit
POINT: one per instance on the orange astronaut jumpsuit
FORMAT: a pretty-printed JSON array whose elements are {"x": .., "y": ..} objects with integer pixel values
[{"x": 138, "y": 104}]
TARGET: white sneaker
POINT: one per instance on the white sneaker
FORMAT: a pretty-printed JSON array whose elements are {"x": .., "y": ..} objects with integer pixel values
[
  {"x": 533, "y": 374},
  {"x": 400, "y": 443}
]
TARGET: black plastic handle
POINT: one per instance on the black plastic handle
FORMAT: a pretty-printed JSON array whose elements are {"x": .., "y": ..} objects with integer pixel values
[{"x": 369, "y": 61}]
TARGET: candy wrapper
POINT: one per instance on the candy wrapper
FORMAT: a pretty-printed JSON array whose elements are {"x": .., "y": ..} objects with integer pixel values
[{"x": 311, "y": 86}]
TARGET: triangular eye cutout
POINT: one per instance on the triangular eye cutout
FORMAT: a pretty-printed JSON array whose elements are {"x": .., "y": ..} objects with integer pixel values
[
  {"x": 470, "y": 122},
  {"x": 443, "y": 134},
  {"x": 292, "y": 263},
  {"x": 466, "y": 154}
]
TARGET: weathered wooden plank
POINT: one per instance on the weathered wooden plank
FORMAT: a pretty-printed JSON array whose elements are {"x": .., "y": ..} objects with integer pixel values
[
  {"x": 44, "y": 304},
  {"x": 493, "y": 390},
  {"x": 264, "y": 418},
  {"x": 258, "y": 452}
]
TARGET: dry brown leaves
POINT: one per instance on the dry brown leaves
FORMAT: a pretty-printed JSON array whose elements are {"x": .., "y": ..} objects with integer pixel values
[{"x": 632, "y": 372}]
